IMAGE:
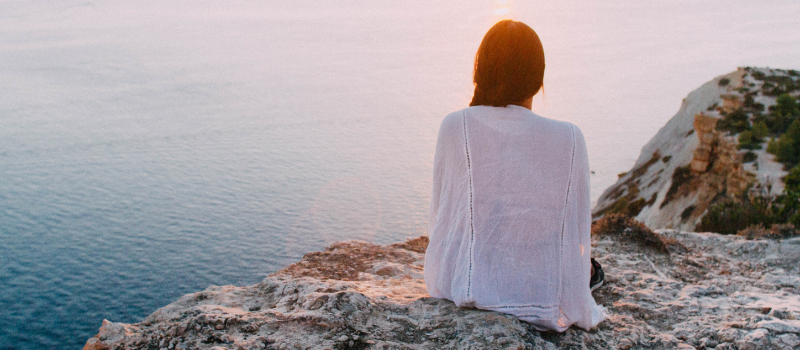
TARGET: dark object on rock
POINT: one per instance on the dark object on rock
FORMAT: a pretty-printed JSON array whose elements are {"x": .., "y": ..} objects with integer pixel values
[
  {"x": 687, "y": 213},
  {"x": 598, "y": 276}
]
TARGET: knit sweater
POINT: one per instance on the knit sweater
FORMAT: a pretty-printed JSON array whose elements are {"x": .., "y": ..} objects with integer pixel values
[{"x": 510, "y": 217}]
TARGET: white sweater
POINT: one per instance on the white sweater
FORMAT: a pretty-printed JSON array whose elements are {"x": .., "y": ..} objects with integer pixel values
[{"x": 510, "y": 217}]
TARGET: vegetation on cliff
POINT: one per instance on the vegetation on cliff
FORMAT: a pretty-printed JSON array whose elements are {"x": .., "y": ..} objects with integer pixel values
[
  {"x": 787, "y": 146},
  {"x": 751, "y": 211},
  {"x": 725, "y": 178}
]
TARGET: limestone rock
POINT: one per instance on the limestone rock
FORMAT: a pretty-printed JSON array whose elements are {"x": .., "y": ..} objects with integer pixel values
[
  {"x": 357, "y": 295},
  {"x": 704, "y": 129}
]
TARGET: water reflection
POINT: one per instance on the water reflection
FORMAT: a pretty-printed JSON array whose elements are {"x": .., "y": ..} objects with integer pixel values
[{"x": 345, "y": 208}]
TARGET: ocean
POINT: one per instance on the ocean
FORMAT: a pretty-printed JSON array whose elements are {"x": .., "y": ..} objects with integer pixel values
[{"x": 149, "y": 149}]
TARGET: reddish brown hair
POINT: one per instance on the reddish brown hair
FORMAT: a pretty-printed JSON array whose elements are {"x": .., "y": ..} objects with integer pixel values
[{"x": 509, "y": 65}]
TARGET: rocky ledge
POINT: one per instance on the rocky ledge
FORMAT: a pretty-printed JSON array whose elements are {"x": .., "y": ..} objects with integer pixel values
[{"x": 696, "y": 290}]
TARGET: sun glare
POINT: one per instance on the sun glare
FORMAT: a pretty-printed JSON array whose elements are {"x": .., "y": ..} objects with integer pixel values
[{"x": 502, "y": 10}]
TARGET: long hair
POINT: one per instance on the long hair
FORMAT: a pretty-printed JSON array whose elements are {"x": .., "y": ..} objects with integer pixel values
[{"x": 509, "y": 65}]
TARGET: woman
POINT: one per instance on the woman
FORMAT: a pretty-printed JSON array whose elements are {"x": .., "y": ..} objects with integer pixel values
[{"x": 510, "y": 217}]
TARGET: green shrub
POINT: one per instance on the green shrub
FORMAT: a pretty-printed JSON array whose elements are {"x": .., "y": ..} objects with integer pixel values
[
  {"x": 792, "y": 180},
  {"x": 724, "y": 82},
  {"x": 781, "y": 115},
  {"x": 778, "y": 85},
  {"x": 735, "y": 122},
  {"x": 760, "y": 131},
  {"x": 788, "y": 149},
  {"x": 786, "y": 105},
  {"x": 788, "y": 206},
  {"x": 746, "y": 140},
  {"x": 751, "y": 139},
  {"x": 751, "y": 104},
  {"x": 777, "y": 123},
  {"x": 734, "y": 214},
  {"x": 749, "y": 157},
  {"x": 620, "y": 205},
  {"x": 773, "y": 146},
  {"x": 755, "y": 216}
]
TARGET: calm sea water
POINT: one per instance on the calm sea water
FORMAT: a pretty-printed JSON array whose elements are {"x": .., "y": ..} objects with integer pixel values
[{"x": 149, "y": 149}]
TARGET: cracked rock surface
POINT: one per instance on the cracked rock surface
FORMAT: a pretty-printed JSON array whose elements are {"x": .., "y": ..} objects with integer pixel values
[{"x": 721, "y": 292}]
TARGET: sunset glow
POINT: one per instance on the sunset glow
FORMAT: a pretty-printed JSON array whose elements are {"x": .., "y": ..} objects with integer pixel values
[{"x": 502, "y": 10}]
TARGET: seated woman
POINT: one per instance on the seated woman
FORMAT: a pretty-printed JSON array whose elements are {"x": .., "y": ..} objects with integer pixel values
[{"x": 510, "y": 216}]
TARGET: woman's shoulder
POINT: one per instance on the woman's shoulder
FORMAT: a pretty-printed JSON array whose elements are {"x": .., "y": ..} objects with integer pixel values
[
  {"x": 452, "y": 124},
  {"x": 497, "y": 114},
  {"x": 454, "y": 118},
  {"x": 562, "y": 127}
]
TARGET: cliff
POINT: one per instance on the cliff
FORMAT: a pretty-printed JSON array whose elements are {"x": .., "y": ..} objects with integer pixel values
[
  {"x": 700, "y": 290},
  {"x": 691, "y": 162}
]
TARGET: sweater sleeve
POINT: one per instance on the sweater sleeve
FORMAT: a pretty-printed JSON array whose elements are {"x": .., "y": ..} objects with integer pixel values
[
  {"x": 433, "y": 253},
  {"x": 578, "y": 304},
  {"x": 447, "y": 216}
]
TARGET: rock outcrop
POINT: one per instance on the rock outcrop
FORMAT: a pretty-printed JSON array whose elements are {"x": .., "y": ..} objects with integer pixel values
[
  {"x": 720, "y": 292},
  {"x": 690, "y": 163},
  {"x": 704, "y": 127}
]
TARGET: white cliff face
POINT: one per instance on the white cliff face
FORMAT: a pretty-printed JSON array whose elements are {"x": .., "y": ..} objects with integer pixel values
[{"x": 688, "y": 163}]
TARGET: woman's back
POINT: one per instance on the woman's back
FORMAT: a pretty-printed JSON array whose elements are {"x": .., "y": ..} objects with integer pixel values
[{"x": 510, "y": 217}]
